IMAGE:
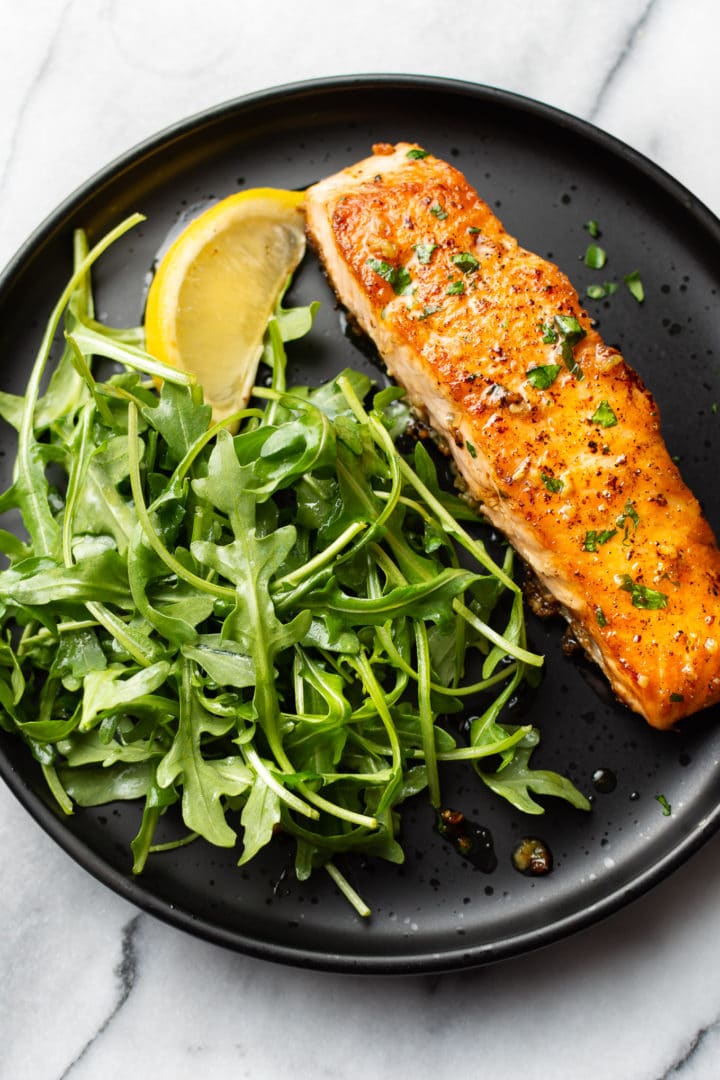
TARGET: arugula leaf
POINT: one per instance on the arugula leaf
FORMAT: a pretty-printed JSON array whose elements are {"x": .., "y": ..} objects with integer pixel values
[
  {"x": 203, "y": 782},
  {"x": 516, "y": 780},
  {"x": 266, "y": 624},
  {"x": 260, "y": 816}
]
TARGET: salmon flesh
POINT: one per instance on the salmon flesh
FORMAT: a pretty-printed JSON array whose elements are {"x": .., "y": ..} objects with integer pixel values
[{"x": 555, "y": 435}]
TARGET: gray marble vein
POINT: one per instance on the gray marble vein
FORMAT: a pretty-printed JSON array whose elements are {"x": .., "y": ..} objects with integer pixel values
[
  {"x": 125, "y": 973},
  {"x": 624, "y": 55},
  {"x": 698, "y": 1047}
]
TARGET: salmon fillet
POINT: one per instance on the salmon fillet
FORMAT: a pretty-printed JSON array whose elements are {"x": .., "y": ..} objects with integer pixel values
[{"x": 553, "y": 432}]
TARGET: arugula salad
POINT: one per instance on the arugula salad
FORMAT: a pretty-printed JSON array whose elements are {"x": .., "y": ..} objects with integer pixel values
[{"x": 270, "y": 623}]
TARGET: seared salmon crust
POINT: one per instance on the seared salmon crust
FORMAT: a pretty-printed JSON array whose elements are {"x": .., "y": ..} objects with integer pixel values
[{"x": 553, "y": 432}]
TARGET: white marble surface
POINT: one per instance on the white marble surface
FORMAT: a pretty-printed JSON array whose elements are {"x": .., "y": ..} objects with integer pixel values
[{"x": 92, "y": 988}]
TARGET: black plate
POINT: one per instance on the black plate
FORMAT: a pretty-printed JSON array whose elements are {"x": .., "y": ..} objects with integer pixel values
[{"x": 546, "y": 174}]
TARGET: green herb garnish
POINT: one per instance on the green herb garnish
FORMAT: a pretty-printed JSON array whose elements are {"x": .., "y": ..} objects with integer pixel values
[
  {"x": 396, "y": 276},
  {"x": 416, "y": 154},
  {"x": 593, "y": 228},
  {"x": 549, "y": 333},
  {"x": 635, "y": 285},
  {"x": 628, "y": 514},
  {"x": 424, "y": 251},
  {"x": 465, "y": 262},
  {"x": 600, "y": 617},
  {"x": 471, "y": 449},
  {"x": 643, "y": 597},
  {"x": 428, "y": 310},
  {"x": 595, "y": 257},
  {"x": 571, "y": 333},
  {"x": 599, "y": 292},
  {"x": 544, "y": 376},
  {"x": 455, "y": 288},
  {"x": 438, "y": 211},
  {"x": 677, "y": 697},
  {"x": 473, "y": 229},
  {"x": 551, "y": 483},
  {"x": 604, "y": 415},
  {"x": 666, "y": 807},
  {"x": 595, "y": 538}
]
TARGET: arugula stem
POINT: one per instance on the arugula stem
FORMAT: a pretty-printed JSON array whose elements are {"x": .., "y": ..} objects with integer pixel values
[
  {"x": 36, "y": 512},
  {"x": 492, "y": 635},
  {"x": 80, "y": 462},
  {"x": 61, "y": 796},
  {"x": 170, "y": 845},
  {"x": 438, "y": 688},
  {"x": 336, "y": 811},
  {"x": 90, "y": 342},
  {"x": 288, "y": 797},
  {"x": 427, "y": 720},
  {"x": 347, "y": 890},
  {"x": 145, "y": 656},
  {"x": 453, "y": 528},
  {"x": 364, "y": 669},
  {"x": 207, "y": 436},
  {"x": 322, "y": 558},
  {"x": 472, "y": 753},
  {"x": 222, "y": 591}
]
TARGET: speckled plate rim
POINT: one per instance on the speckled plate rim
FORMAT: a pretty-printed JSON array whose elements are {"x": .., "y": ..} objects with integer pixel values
[{"x": 174, "y": 914}]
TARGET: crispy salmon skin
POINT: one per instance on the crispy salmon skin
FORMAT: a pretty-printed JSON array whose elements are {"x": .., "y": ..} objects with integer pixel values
[{"x": 553, "y": 432}]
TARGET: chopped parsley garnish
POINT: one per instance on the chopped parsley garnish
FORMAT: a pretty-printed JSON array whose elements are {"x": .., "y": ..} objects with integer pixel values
[
  {"x": 403, "y": 281},
  {"x": 428, "y": 310},
  {"x": 635, "y": 285},
  {"x": 571, "y": 332},
  {"x": 599, "y": 292},
  {"x": 439, "y": 212},
  {"x": 471, "y": 449},
  {"x": 604, "y": 416},
  {"x": 424, "y": 250},
  {"x": 466, "y": 262},
  {"x": 666, "y": 807},
  {"x": 473, "y": 229},
  {"x": 543, "y": 377},
  {"x": 677, "y": 697},
  {"x": 549, "y": 333},
  {"x": 569, "y": 328},
  {"x": 643, "y": 597},
  {"x": 595, "y": 257},
  {"x": 551, "y": 483},
  {"x": 455, "y": 288},
  {"x": 600, "y": 616},
  {"x": 628, "y": 514},
  {"x": 397, "y": 276},
  {"x": 593, "y": 228},
  {"x": 594, "y": 538},
  {"x": 416, "y": 154}
]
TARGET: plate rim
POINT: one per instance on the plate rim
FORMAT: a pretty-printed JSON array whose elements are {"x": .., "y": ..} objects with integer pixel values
[{"x": 131, "y": 889}]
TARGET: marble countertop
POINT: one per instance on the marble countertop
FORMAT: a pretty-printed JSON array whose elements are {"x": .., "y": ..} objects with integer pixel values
[{"x": 94, "y": 988}]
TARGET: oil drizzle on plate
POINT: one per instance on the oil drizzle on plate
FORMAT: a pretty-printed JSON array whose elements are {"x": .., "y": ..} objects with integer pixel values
[{"x": 473, "y": 842}]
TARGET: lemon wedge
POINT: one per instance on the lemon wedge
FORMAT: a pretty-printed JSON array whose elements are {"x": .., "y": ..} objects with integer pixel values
[{"x": 215, "y": 289}]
